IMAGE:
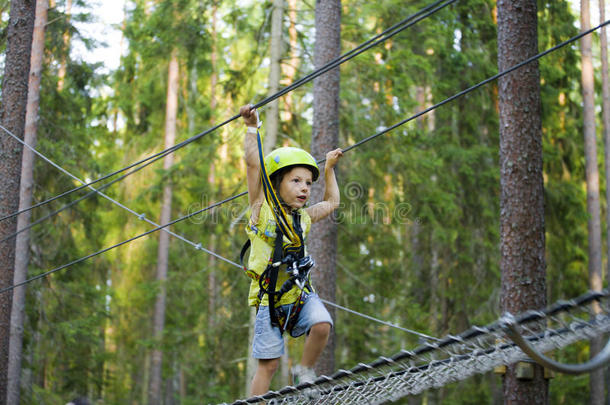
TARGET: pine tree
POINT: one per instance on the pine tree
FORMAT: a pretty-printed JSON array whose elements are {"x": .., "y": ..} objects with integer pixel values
[
  {"x": 22, "y": 245},
  {"x": 522, "y": 239},
  {"x": 325, "y": 137},
  {"x": 12, "y": 117},
  {"x": 596, "y": 382},
  {"x": 155, "y": 384}
]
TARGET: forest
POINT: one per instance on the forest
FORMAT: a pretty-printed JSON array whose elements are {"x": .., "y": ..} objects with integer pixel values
[{"x": 113, "y": 305}]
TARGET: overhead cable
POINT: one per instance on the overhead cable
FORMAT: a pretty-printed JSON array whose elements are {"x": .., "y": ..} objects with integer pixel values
[
  {"x": 390, "y": 32},
  {"x": 198, "y": 245},
  {"x": 332, "y": 304},
  {"x": 140, "y": 216},
  {"x": 461, "y": 93},
  {"x": 72, "y": 203},
  {"x": 99, "y": 252}
]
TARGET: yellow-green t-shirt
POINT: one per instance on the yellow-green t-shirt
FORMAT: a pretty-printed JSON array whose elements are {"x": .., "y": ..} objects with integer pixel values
[{"x": 262, "y": 239}]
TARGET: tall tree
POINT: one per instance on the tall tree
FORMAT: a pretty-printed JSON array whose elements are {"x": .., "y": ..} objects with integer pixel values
[
  {"x": 292, "y": 62},
  {"x": 605, "y": 120},
  {"x": 212, "y": 276},
  {"x": 446, "y": 173},
  {"x": 272, "y": 117},
  {"x": 154, "y": 390},
  {"x": 212, "y": 176},
  {"x": 12, "y": 117},
  {"x": 603, "y": 37},
  {"x": 325, "y": 137},
  {"x": 63, "y": 65},
  {"x": 22, "y": 244},
  {"x": 522, "y": 239},
  {"x": 596, "y": 380}
]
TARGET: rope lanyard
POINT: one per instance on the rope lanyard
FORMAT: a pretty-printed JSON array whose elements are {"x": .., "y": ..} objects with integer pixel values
[{"x": 281, "y": 218}]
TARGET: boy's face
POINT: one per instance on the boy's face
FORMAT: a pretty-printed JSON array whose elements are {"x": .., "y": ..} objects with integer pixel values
[{"x": 296, "y": 186}]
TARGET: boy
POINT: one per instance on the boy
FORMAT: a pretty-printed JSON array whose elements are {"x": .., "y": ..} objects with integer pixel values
[{"x": 292, "y": 172}]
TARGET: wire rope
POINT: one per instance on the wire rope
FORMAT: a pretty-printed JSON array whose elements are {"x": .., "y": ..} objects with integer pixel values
[
  {"x": 461, "y": 93},
  {"x": 112, "y": 200},
  {"x": 390, "y": 32},
  {"x": 72, "y": 203},
  {"x": 382, "y": 37},
  {"x": 332, "y": 304},
  {"x": 198, "y": 245},
  {"x": 157, "y": 228}
]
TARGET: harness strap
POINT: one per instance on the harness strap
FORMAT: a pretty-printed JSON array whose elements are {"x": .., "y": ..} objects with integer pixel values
[
  {"x": 296, "y": 224},
  {"x": 242, "y": 254},
  {"x": 278, "y": 255},
  {"x": 268, "y": 280}
]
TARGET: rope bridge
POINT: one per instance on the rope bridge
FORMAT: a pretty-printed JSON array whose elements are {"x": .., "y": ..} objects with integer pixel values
[{"x": 455, "y": 358}]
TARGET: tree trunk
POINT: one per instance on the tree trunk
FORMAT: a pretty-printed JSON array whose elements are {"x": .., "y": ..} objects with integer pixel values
[
  {"x": 606, "y": 129},
  {"x": 522, "y": 239},
  {"x": 28, "y": 377},
  {"x": 605, "y": 120},
  {"x": 272, "y": 117},
  {"x": 61, "y": 73},
  {"x": 214, "y": 59},
  {"x": 325, "y": 137},
  {"x": 433, "y": 397},
  {"x": 22, "y": 243},
  {"x": 215, "y": 183},
  {"x": 212, "y": 182},
  {"x": 12, "y": 117},
  {"x": 154, "y": 390},
  {"x": 290, "y": 69},
  {"x": 596, "y": 378},
  {"x": 252, "y": 362}
]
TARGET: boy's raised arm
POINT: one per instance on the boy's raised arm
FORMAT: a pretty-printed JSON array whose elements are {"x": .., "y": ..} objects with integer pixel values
[
  {"x": 331, "y": 189},
  {"x": 255, "y": 191}
]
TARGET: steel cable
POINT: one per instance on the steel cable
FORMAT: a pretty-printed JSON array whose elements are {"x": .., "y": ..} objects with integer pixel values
[
  {"x": 197, "y": 245},
  {"x": 461, "y": 93},
  {"x": 390, "y": 32}
]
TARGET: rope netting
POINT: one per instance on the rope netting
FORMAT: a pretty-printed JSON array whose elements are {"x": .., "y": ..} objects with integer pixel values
[{"x": 454, "y": 358}]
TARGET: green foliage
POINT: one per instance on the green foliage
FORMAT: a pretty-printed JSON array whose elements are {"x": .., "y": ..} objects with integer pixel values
[{"x": 418, "y": 224}]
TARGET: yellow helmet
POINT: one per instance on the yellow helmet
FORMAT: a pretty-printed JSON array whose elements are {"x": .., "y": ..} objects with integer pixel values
[{"x": 289, "y": 156}]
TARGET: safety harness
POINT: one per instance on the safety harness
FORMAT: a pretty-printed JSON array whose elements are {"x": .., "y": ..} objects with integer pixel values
[{"x": 291, "y": 254}]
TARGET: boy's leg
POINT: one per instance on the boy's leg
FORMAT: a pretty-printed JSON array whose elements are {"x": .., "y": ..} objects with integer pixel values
[
  {"x": 314, "y": 320},
  {"x": 264, "y": 373},
  {"x": 315, "y": 343},
  {"x": 267, "y": 347}
]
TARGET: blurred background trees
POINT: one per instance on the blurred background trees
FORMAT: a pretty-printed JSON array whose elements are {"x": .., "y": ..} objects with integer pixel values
[{"x": 418, "y": 229}]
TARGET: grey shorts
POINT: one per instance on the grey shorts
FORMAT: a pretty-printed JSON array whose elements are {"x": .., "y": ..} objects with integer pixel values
[{"x": 268, "y": 342}]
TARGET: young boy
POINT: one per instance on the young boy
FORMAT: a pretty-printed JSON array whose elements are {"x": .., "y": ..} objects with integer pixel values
[{"x": 292, "y": 171}]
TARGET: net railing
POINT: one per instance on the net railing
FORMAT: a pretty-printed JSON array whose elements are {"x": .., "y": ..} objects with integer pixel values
[{"x": 453, "y": 358}]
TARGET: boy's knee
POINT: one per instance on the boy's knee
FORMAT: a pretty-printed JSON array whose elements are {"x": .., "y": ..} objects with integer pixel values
[
  {"x": 320, "y": 330},
  {"x": 270, "y": 366}
]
